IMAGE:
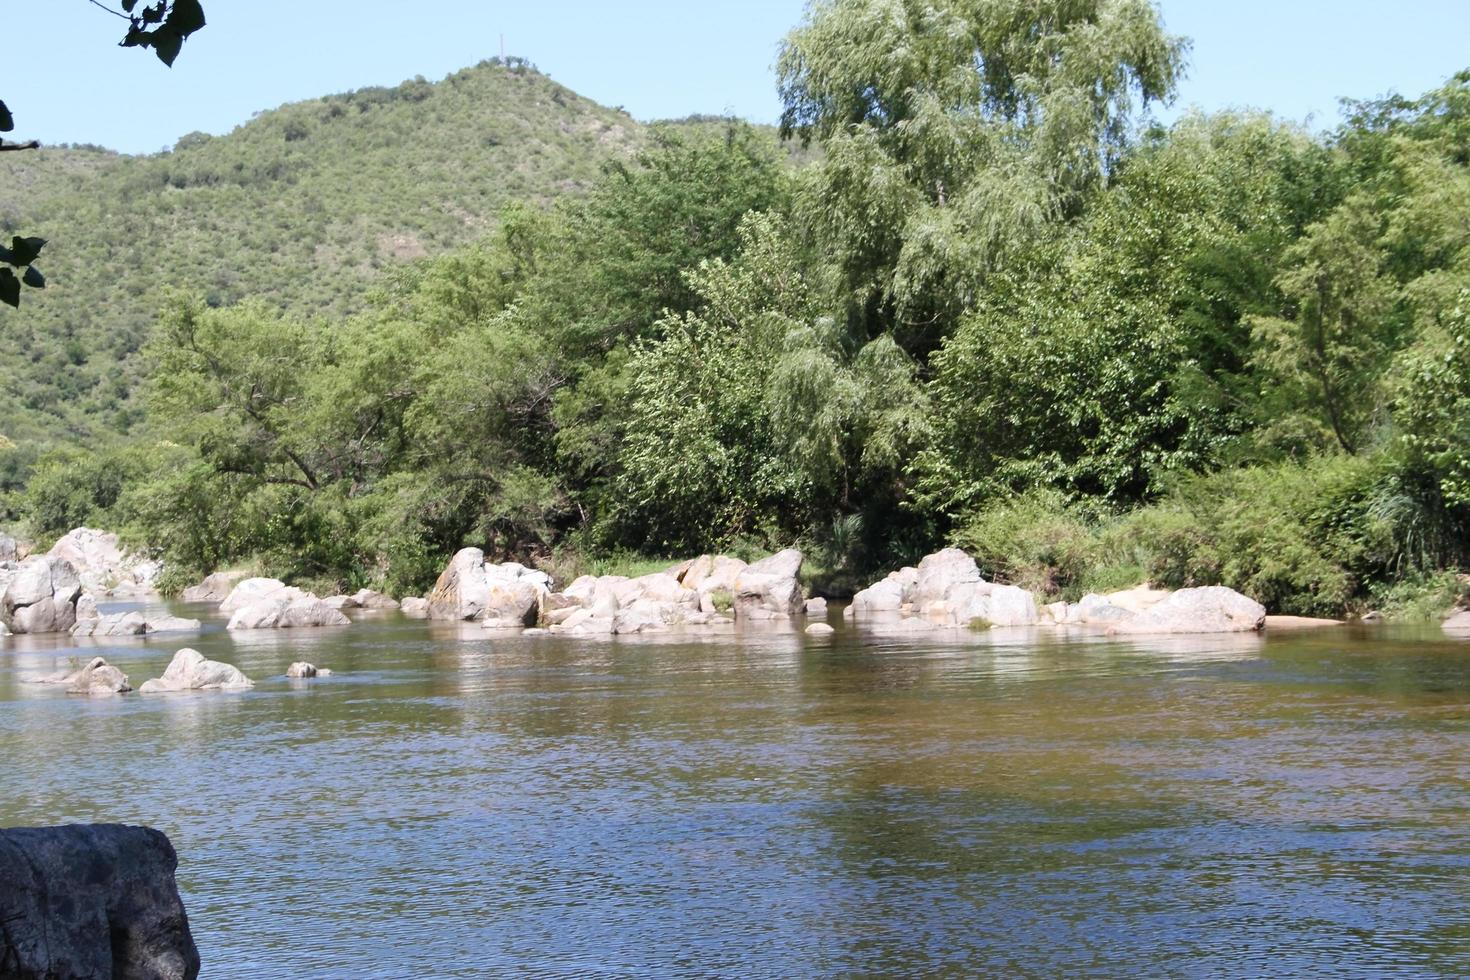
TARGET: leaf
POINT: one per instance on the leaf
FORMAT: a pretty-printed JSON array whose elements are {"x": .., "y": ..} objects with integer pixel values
[
  {"x": 166, "y": 45},
  {"x": 7, "y": 121},
  {"x": 23, "y": 251},
  {"x": 9, "y": 288},
  {"x": 186, "y": 17},
  {"x": 33, "y": 278},
  {"x": 153, "y": 14},
  {"x": 128, "y": 5}
]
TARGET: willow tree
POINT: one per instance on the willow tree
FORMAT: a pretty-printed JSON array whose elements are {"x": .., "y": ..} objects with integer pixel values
[{"x": 953, "y": 128}]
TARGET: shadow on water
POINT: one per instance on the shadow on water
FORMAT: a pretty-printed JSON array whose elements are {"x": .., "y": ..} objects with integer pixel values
[{"x": 880, "y": 802}]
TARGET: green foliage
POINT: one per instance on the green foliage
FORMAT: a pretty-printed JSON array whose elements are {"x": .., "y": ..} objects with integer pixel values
[
  {"x": 952, "y": 130},
  {"x": 1033, "y": 540}
]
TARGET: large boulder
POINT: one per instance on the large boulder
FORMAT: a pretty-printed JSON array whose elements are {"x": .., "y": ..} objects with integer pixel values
[
  {"x": 471, "y": 588},
  {"x": 214, "y": 588},
  {"x": 256, "y": 590},
  {"x": 9, "y": 548},
  {"x": 770, "y": 588},
  {"x": 305, "y": 612},
  {"x": 1213, "y": 609},
  {"x": 102, "y": 564},
  {"x": 415, "y": 607},
  {"x": 42, "y": 596},
  {"x": 189, "y": 671},
  {"x": 941, "y": 573},
  {"x": 94, "y": 900}
]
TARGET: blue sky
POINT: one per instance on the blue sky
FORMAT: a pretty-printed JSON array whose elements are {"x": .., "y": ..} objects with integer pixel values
[{"x": 68, "y": 82}]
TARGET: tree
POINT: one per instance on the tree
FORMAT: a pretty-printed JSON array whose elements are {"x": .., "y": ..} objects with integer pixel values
[
  {"x": 162, "y": 26},
  {"x": 953, "y": 131}
]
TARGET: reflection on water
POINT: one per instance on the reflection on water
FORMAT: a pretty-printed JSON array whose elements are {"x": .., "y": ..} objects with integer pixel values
[{"x": 457, "y": 803}]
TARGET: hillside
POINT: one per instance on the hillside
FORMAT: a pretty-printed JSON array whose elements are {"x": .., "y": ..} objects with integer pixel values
[{"x": 302, "y": 207}]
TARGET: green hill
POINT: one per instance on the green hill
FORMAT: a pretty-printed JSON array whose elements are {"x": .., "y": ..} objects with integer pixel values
[{"x": 303, "y": 206}]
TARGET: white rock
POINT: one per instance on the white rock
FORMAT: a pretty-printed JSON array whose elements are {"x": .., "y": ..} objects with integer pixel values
[
  {"x": 770, "y": 586},
  {"x": 301, "y": 613},
  {"x": 415, "y": 607},
  {"x": 214, "y": 588},
  {"x": 257, "y": 590},
  {"x": 819, "y": 629},
  {"x": 1214, "y": 609},
  {"x": 189, "y": 671},
  {"x": 42, "y": 596},
  {"x": 301, "y": 669}
]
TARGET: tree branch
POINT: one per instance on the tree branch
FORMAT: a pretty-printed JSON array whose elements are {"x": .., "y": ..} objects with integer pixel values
[{"x": 115, "y": 13}]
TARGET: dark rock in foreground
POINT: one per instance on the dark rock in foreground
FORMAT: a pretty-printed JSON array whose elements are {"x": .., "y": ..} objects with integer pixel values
[{"x": 95, "y": 900}]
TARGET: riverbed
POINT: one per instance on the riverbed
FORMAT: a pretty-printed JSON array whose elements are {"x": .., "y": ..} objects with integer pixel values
[{"x": 1021, "y": 803}]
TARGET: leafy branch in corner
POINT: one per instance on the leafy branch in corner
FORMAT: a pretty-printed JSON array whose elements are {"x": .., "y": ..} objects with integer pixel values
[{"x": 162, "y": 26}]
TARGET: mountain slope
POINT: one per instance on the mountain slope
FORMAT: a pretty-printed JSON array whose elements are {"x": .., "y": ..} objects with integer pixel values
[{"x": 302, "y": 207}]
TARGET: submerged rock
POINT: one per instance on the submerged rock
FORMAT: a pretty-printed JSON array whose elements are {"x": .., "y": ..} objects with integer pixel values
[
  {"x": 819, "y": 629},
  {"x": 96, "y": 677},
  {"x": 134, "y": 624},
  {"x": 190, "y": 671},
  {"x": 302, "y": 670},
  {"x": 95, "y": 900},
  {"x": 1457, "y": 624}
]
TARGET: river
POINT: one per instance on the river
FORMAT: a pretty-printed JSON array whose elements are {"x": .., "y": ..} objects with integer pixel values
[{"x": 454, "y": 804}]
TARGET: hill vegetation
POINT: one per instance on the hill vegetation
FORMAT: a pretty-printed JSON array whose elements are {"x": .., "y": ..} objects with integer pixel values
[
  {"x": 301, "y": 209},
  {"x": 993, "y": 305}
]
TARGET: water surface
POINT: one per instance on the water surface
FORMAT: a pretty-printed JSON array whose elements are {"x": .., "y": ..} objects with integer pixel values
[{"x": 766, "y": 804}]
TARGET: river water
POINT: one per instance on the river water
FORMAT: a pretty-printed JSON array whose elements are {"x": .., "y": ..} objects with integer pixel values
[{"x": 879, "y": 803}]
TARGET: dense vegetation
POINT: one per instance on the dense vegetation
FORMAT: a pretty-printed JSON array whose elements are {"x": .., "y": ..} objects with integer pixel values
[{"x": 992, "y": 305}]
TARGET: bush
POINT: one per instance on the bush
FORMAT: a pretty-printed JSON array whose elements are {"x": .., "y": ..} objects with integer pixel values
[{"x": 1034, "y": 540}]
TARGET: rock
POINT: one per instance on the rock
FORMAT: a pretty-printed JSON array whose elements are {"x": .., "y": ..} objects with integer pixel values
[
  {"x": 770, "y": 587},
  {"x": 1458, "y": 623},
  {"x": 1138, "y": 598},
  {"x": 471, "y": 588},
  {"x": 42, "y": 596},
  {"x": 1301, "y": 623},
  {"x": 816, "y": 608},
  {"x": 257, "y": 590},
  {"x": 340, "y": 602},
  {"x": 368, "y": 599},
  {"x": 303, "y": 613},
  {"x": 940, "y": 573},
  {"x": 9, "y": 548},
  {"x": 1096, "y": 610},
  {"x": 534, "y": 631},
  {"x": 415, "y": 607},
  {"x": 97, "y": 677},
  {"x": 1213, "y": 609},
  {"x": 93, "y": 900},
  {"x": 102, "y": 565},
  {"x": 1008, "y": 605},
  {"x": 214, "y": 588},
  {"x": 118, "y": 624},
  {"x": 189, "y": 671},
  {"x": 303, "y": 670},
  {"x": 712, "y": 573},
  {"x": 819, "y": 629},
  {"x": 886, "y": 596},
  {"x": 134, "y": 624}
]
